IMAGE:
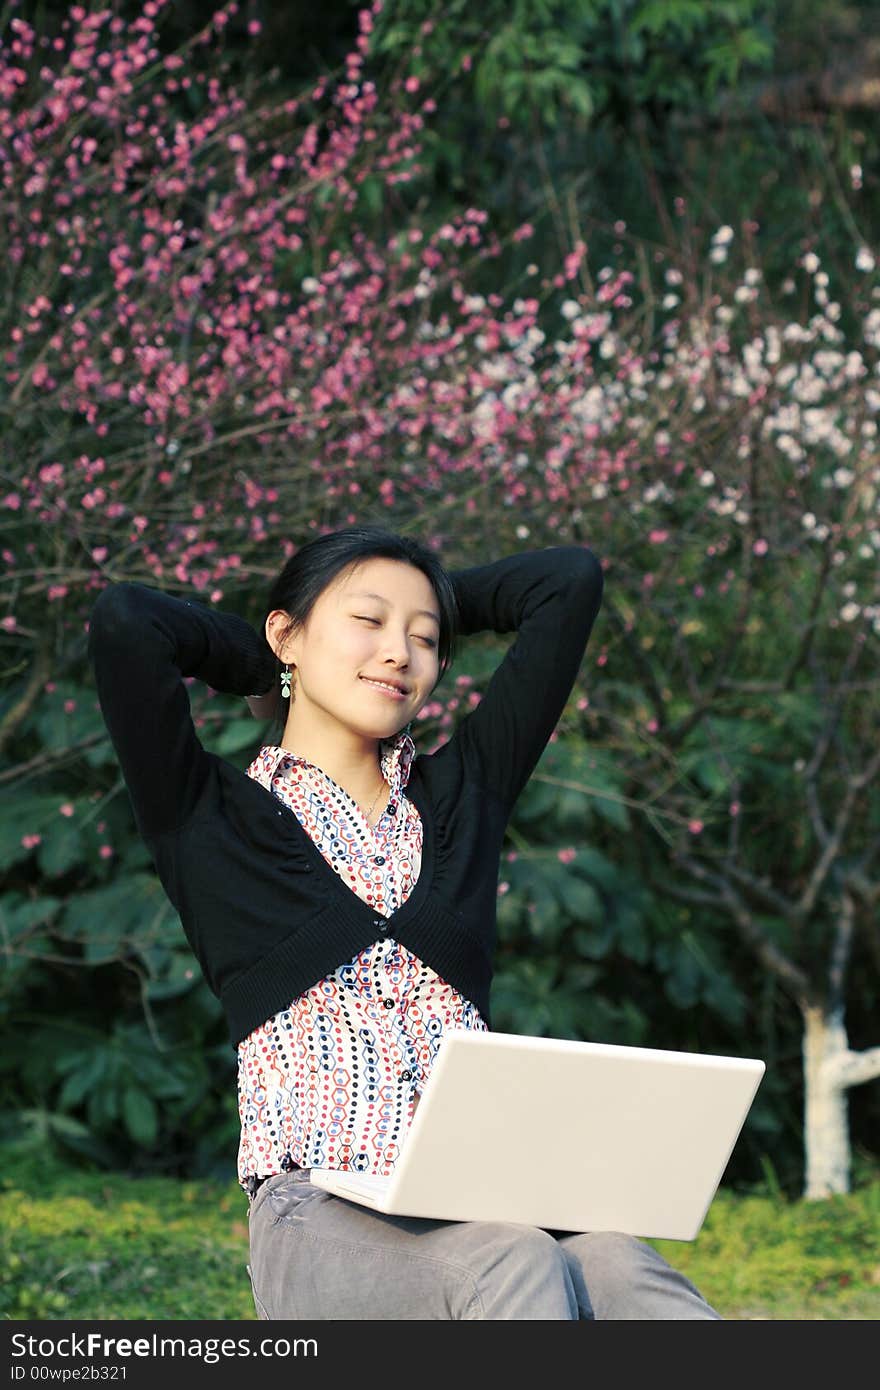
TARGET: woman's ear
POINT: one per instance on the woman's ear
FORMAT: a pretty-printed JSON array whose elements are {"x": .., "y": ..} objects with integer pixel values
[{"x": 277, "y": 624}]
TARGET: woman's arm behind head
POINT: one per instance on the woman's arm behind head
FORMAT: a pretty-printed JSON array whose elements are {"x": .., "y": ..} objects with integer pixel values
[{"x": 142, "y": 643}]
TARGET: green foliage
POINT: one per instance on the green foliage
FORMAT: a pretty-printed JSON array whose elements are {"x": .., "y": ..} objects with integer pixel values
[{"x": 536, "y": 63}]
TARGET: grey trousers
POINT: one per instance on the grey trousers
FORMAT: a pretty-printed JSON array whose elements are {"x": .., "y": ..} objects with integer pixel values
[{"x": 314, "y": 1256}]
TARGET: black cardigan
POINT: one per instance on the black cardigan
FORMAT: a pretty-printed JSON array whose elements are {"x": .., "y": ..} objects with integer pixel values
[{"x": 264, "y": 913}]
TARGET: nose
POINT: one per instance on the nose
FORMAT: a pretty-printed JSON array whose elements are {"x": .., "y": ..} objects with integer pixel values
[{"x": 395, "y": 648}]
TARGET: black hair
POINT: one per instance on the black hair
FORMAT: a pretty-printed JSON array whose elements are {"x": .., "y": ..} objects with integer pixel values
[{"x": 316, "y": 564}]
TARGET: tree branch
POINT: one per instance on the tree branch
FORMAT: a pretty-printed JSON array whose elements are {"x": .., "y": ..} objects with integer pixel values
[
  {"x": 854, "y": 1068},
  {"x": 826, "y": 737},
  {"x": 832, "y": 848},
  {"x": 811, "y": 624},
  {"x": 841, "y": 950},
  {"x": 767, "y": 952},
  {"x": 17, "y": 713}
]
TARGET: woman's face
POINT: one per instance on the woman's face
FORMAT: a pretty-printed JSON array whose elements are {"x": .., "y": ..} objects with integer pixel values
[{"x": 378, "y": 622}]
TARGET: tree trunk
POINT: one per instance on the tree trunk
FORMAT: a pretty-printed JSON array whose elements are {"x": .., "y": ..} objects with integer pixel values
[{"x": 826, "y": 1117}]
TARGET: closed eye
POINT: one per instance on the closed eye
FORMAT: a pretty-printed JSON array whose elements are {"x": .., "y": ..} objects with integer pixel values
[{"x": 362, "y": 617}]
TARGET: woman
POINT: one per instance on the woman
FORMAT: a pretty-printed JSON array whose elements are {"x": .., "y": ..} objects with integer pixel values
[{"x": 340, "y": 898}]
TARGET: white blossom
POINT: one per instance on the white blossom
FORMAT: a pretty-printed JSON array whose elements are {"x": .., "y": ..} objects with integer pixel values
[{"x": 872, "y": 328}]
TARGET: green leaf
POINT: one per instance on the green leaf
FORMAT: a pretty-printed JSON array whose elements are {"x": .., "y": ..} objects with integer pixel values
[
  {"x": 632, "y": 932},
  {"x": 572, "y": 812},
  {"x": 612, "y": 811},
  {"x": 67, "y": 716},
  {"x": 235, "y": 735},
  {"x": 594, "y": 942},
  {"x": 120, "y": 910},
  {"x": 581, "y": 900},
  {"x": 19, "y": 916},
  {"x": 179, "y": 976},
  {"x": 22, "y": 816},
  {"x": 140, "y": 1116},
  {"x": 81, "y": 1081},
  {"x": 60, "y": 848},
  {"x": 546, "y": 922},
  {"x": 682, "y": 963},
  {"x": 509, "y": 913},
  {"x": 103, "y": 1108}
]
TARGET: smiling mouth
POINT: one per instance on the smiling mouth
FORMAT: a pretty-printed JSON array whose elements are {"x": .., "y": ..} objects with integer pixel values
[{"x": 386, "y": 689}]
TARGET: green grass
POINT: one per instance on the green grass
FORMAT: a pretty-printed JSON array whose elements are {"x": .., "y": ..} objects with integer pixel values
[{"x": 90, "y": 1246}]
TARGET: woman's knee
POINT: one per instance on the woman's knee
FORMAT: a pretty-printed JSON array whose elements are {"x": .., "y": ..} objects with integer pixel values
[
  {"x": 519, "y": 1272},
  {"x": 627, "y": 1278},
  {"x": 616, "y": 1251}
]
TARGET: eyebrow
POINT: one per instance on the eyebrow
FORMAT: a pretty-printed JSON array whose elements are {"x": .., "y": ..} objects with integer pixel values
[{"x": 421, "y": 612}]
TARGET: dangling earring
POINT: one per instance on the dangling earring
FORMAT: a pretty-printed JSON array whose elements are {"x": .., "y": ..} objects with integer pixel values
[{"x": 285, "y": 683}]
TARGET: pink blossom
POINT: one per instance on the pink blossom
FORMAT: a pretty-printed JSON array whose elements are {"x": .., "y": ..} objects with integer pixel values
[
  {"x": 29, "y": 841},
  {"x": 695, "y": 827},
  {"x": 565, "y": 856},
  {"x": 66, "y": 808},
  {"x": 106, "y": 851}
]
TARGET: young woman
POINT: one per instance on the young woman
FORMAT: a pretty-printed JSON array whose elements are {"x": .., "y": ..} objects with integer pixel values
[{"x": 340, "y": 899}]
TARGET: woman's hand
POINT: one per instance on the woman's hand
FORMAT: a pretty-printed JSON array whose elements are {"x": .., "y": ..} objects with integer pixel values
[{"x": 265, "y": 706}]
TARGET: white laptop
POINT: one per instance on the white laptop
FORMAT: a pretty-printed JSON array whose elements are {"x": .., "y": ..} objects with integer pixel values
[{"x": 568, "y": 1136}]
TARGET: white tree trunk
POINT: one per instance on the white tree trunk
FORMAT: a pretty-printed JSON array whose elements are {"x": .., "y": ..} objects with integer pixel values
[
  {"x": 826, "y": 1118},
  {"x": 830, "y": 1068}
]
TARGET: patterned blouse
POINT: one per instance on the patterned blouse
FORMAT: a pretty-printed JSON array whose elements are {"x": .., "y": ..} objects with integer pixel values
[{"x": 332, "y": 1081}]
